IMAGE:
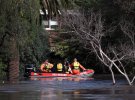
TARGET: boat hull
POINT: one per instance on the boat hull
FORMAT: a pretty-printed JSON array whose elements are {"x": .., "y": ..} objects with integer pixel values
[{"x": 87, "y": 73}]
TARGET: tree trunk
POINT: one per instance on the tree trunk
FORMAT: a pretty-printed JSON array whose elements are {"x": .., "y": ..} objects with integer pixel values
[
  {"x": 13, "y": 60},
  {"x": 113, "y": 78}
]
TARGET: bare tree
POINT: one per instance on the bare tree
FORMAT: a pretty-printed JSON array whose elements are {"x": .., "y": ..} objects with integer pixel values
[
  {"x": 91, "y": 31},
  {"x": 128, "y": 28}
]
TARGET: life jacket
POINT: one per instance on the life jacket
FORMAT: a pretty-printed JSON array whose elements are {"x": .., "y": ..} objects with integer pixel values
[
  {"x": 76, "y": 65},
  {"x": 59, "y": 67},
  {"x": 47, "y": 66}
]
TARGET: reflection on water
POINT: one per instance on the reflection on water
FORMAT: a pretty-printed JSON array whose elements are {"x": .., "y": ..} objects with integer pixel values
[{"x": 66, "y": 89}]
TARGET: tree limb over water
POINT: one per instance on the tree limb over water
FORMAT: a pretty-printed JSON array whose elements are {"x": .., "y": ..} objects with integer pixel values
[{"x": 90, "y": 28}]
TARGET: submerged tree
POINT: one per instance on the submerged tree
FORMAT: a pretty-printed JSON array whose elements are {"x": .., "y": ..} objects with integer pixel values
[{"x": 92, "y": 31}]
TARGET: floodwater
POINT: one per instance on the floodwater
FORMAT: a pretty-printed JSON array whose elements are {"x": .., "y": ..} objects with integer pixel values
[{"x": 67, "y": 89}]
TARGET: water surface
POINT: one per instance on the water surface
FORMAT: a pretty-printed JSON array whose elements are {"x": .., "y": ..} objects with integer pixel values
[{"x": 67, "y": 89}]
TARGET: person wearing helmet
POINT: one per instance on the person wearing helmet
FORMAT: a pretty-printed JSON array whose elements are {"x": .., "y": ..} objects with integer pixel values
[
  {"x": 76, "y": 67},
  {"x": 46, "y": 66}
]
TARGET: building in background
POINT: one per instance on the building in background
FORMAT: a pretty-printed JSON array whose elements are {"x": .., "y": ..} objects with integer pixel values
[{"x": 50, "y": 25}]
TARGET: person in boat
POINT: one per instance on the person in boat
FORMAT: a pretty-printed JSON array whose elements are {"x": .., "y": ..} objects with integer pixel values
[
  {"x": 46, "y": 66},
  {"x": 67, "y": 66},
  {"x": 60, "y": 68},
  {"x": 76, "y": 66}
]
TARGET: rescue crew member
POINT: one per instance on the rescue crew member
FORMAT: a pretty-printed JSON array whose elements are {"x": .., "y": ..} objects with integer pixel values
[
  {"x": 67, "y": 66},
  {"x": 76, "y": 67},
  {"x": 60, "y": 68},
  {"x": 46, "y": 66}
]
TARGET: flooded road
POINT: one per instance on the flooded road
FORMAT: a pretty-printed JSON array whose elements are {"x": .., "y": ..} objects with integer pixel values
[{"x": 67, "y": 89}]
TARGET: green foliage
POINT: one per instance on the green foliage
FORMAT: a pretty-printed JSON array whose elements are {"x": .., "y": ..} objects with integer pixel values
[
  {"x": 18, "y": 17},
  {"x": 113, "y": 13},
  {"x": 20, "y": 20},
  {"x": 35, "y": 52},
  {"x": 68, "y": 46},
  {"x": 2, "y": 69}
]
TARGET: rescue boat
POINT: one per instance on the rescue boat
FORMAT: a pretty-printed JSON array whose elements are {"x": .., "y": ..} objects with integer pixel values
[
  {"x": 33, "y": 72},
  {"x": 86, "y": 73}
]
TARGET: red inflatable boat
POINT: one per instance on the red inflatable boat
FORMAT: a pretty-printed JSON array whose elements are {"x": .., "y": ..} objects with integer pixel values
[{"x": 87, "y": 73}]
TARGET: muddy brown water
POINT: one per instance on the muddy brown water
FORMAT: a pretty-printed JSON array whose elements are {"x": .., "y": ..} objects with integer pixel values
[{"x": 67, "y": 89}]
